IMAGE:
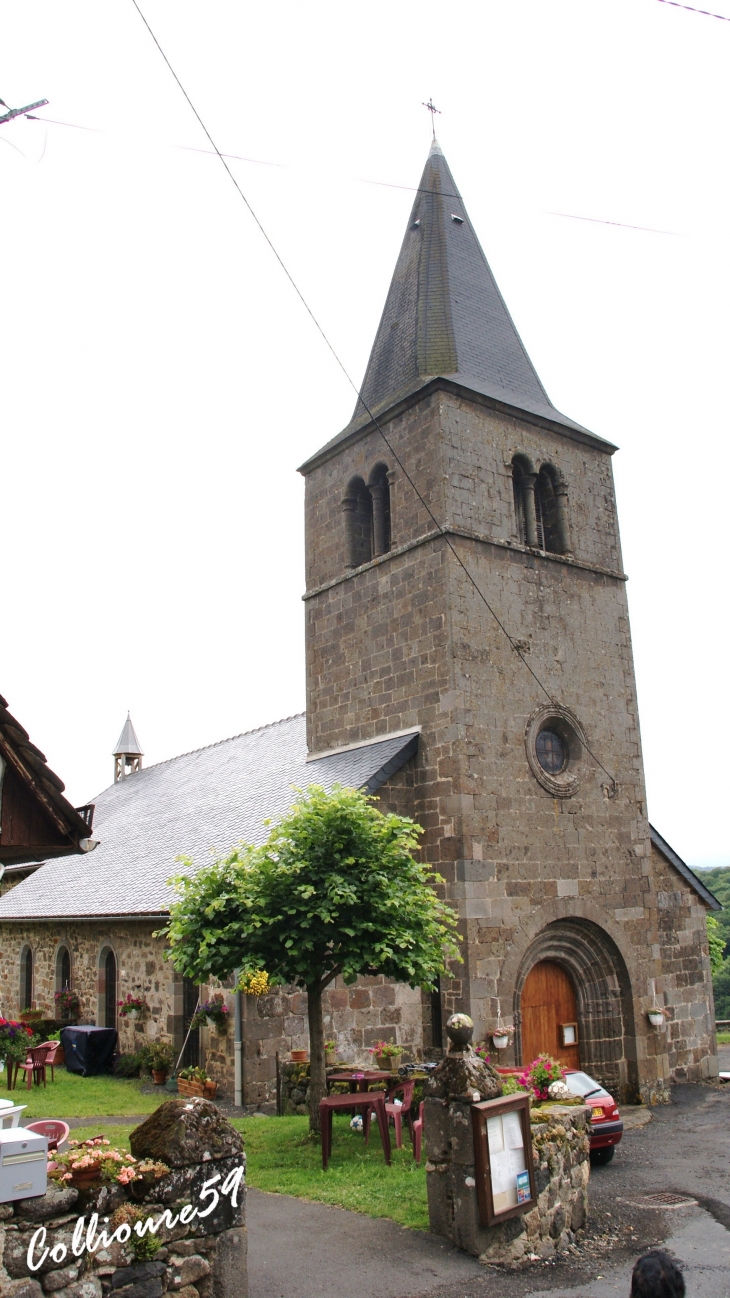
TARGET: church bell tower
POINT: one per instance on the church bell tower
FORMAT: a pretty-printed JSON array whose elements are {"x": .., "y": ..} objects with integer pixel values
[{"x": 464, "y": 576}]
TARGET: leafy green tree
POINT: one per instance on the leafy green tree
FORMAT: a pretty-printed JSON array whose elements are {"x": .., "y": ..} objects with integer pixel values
[
  {"x": 716, "y": 943},
  {"x": 334, "y": 890}
]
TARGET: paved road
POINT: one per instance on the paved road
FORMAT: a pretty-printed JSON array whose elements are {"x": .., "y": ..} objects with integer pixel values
[{"x": 307, "y": 1250}]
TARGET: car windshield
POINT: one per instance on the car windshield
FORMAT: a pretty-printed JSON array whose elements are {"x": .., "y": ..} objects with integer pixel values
[{"x": 582, "y": 1084}]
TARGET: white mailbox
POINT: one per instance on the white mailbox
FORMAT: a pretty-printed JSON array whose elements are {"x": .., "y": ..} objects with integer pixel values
[{"x": 23, "y": 1160}]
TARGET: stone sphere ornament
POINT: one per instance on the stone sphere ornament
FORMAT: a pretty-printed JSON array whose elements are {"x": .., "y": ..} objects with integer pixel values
[
  {"x": 559, "y": 1091},
  {"x": 460, "y": 1029}
]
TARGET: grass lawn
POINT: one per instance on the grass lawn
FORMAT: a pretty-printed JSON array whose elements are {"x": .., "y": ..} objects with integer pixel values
[
  {"x": 723, "y": 1038},
  {"x": 282, "y": 1160},
  {"x": 72, "y": 1096}
]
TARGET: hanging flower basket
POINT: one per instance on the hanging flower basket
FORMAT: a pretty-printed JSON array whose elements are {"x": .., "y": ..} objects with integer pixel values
[
  {"x": 213, "y": 1014},
  {"x": 132, "y": 1007},
  {"x": 500, "y": 1040},
  {"x": 657, "y": 1016}
]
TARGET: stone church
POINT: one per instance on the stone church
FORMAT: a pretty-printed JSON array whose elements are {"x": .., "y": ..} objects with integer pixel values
[{"x": 469, "y": 659}]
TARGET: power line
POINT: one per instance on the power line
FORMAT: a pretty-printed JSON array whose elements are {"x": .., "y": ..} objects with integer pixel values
[
  {"x": 691, "y": 9},
  {"x": 513, "y": 643}
]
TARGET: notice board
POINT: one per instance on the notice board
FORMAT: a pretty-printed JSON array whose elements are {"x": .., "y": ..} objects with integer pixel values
[{"x": 503, "y": 1158}]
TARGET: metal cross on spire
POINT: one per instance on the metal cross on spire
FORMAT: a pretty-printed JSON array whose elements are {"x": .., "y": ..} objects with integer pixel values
[{"x": 432, "y": 110}]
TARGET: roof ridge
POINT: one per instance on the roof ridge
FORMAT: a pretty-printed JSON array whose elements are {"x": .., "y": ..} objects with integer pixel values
[{"x": 204, "y": 747}]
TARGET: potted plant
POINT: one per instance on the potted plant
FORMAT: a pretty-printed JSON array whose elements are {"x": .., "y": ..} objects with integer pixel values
[
  {"x": 255, "y": 983},
  {"x": 503, "y": 1034},
  {"x": 195, "y": 1081},
  {"x": 298, "y": 1056},
  {"x": 538, "y": 1078},
  {"x": 656, "y": 1012},
  {"x": 16, "y": 1040},
  {"x": 133, "y": 1007},
  {"x": 87, "y": 1162},
  {"x": 161, "y": 1058},
  {"x": 387, "y": 1055},
  {"x": 213, "y": 1014},
  {"x": 330, "y": 1053},
  {"x": 68, "y": 1005}
]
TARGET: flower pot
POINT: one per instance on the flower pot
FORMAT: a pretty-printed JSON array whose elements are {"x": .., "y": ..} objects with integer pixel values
[
  {"x": 209, "y": 1090},
  {"x": 60, "y": 1057},
  {"x": 85, "y": 1176},
  {"x": 389, "y": 1063},
  {"x": 131, "y": 1014},
  {"x": 500, "y": 1040},
  {"x": 186, "y": 1086},
  {"x": 656, "y": 1018},
  {"x": 159, "y": 1076},
  {"x": 299, "y": 1056},
  {"x": 330, "y": 1058}
]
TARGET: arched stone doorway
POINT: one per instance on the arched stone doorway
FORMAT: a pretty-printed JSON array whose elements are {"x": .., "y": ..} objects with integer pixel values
[{"x": 595, "y": 969}]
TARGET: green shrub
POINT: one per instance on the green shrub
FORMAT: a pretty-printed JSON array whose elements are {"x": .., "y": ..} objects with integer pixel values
[{"x": 128, "y": 1066}]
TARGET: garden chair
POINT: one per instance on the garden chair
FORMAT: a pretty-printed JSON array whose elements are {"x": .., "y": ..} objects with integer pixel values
[
  {"x": 10, "y": 1114},
  {"x": 417, "y": 1132},
  {"x": 55, "y": 1131},
  {"x": 395, "y": 1112},
  {"x": 51, "y": 1048},
  {"x": 34, "y": 1066}
]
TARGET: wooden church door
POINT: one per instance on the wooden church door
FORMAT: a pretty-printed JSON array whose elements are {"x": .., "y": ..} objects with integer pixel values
[{"x": 548, "y": 1002}]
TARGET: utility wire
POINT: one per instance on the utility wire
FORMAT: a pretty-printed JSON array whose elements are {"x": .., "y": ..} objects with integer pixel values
[
  {"x": 514, "y": 645},
  {"x": 691, "y": 9}
]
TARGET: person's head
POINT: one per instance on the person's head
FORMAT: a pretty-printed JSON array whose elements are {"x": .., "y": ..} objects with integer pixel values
[{"x": 656, "y": 1275}]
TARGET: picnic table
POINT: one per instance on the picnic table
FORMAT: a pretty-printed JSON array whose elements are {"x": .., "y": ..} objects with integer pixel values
[{"x": 359, "y": 1079}]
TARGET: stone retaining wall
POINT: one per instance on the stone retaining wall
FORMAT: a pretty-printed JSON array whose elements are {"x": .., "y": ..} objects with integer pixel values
[
  {"x": 561, "y": 1166},
  {"x": 204, "y": 1258}
]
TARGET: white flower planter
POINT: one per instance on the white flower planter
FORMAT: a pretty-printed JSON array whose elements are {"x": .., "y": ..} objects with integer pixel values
[
  {"x": 656, "y": 1018},
  {"x": 132, "y": 1014},
  {"x": 500, "y": 1040}
]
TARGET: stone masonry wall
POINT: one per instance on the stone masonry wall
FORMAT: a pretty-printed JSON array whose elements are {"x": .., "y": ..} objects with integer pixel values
[
  {"x": 561, "y": 1168},
  {"x": 406, "y": 640},
  {"x": 368, "y": 1011},
  {"x": 202, "y": 1258}
]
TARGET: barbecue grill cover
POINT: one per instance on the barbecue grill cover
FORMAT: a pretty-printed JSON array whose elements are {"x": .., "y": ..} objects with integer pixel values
[{"x": 89, "y": 1050}]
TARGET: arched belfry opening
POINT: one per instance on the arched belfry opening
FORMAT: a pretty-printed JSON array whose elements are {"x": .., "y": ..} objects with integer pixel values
[{"x": 574, "y": 974}]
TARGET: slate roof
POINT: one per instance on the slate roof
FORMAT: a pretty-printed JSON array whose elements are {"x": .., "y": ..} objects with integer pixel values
[
  {"x": 686, "y": 872},
  {"x": 445, "y": 317},
  {"x": 199, "y": 805}
]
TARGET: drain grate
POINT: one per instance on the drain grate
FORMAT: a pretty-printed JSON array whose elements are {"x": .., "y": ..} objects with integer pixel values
[{"x": 664, "y": 1200}]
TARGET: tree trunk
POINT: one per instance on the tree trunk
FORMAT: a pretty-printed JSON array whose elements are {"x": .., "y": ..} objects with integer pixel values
[{"x": 317, "y": 1078}]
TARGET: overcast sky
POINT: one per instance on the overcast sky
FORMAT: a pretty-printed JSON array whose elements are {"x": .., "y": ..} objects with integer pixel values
[{"x": 161, "y": 382}]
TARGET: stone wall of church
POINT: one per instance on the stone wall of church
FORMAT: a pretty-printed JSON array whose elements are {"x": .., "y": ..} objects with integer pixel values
[
  {"x": 406, "y": 640},
  {"x": 357, "y": 1016}
]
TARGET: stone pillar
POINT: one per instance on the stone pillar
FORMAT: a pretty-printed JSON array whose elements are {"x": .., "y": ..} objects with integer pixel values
[
  {"x": 379, "y": 492},
  {"x": 528, "y": 504},
  {"x": 349, "y": 506},
  {"x": 562, "y": 526}
]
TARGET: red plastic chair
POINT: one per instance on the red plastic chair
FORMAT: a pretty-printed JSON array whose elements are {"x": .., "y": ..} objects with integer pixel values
[
  {"x": 400, "y": 1111},
  {"x": 51, "y": 1047},
  {"x": 417, "y": 1132},
  {"x": 34, "y": 1066},
  {"x": 55, "y": 1131}
]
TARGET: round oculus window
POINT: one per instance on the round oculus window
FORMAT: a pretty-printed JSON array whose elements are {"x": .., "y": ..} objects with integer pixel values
[{"x": 551, "y": 752}]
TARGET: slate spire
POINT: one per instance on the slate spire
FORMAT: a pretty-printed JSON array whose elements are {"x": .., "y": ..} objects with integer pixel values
[
  {"x": 128, "y": 753},
  {"x": 444, "y": 315}
]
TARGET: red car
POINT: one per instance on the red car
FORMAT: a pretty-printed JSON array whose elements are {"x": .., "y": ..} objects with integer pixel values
[{"x": 606, "y": 1125}]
